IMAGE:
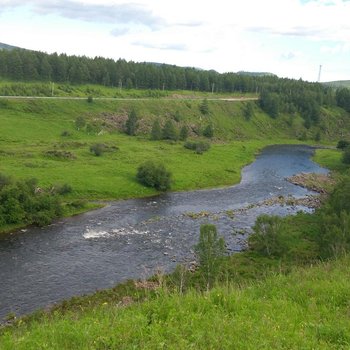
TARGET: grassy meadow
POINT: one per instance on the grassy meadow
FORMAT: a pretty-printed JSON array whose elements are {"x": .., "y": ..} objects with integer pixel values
[
  {"x": 30, "y": 128},
  {"x": 40, "y": 139},
  {"x": 306, "y": 309}
]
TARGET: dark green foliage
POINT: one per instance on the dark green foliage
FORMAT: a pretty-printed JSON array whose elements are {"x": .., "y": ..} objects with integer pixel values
[
  {"x": 204, "y": 107},
  {"x": 131, "y": 124},
  {"x": 22, "y": 202},
  {"x": 248, "y": 110},
  {"x": 80, "y": 123},
  {"x": 4, "y": 180},
  {"x": 62, "y": 189},
  {"x": 177, "y": 116},
  {"x": 343, "y": 98},
  {"x": 66, "y": 133},
  {"x": 339, "y": 199},
  {"x": 343, "y": 144},
  {"x": 210, "y": 251},
  {"x": 318, "y": 136},
  {"x": 93, "y": 127},
  {"x": 169, "y": 132},
  {"x": 334, "y": 234},
  {"x": 152, "y": 174},
  {"x": 97, "y": 149},
  {"x": 267, "y": 239},
  {"x": 346, "y": 155},
  {"x": 208, "y": 131},
  {"x": 90, "y": 99},
  {"x": 156, "y": 132},
  {"x": 270, "y": 103},
  {"x": 183, "y": 133},
  {"x": 199, "y": 147}
]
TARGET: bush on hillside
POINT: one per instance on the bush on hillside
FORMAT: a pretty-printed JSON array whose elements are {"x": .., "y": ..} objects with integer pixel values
[
  {"x": 97, "y": 149},
  {"x": 343, "y": 144},
  {"x": 154, "y": 175},
  {"x": 208, "y": 131},
  {"x": 169, "y": 131},
  {"x": 199, "y": 147},
  {"x": 156, "y": 132},
  {"x": 23, "y": 202}
]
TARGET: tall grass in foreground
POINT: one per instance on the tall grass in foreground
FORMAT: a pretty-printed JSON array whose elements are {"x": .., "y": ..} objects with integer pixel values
[{"x": 308, "y": 309}]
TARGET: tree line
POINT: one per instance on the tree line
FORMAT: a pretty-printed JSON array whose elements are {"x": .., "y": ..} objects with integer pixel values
[{"x": 277, "y": 95}]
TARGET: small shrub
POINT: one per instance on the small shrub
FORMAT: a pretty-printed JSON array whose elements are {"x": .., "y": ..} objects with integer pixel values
[
  {"x": 90, "y": 99},
  {"x": 66, "y": 133},
  {"x": 156, "y": 132},
  {"x": 177, "y": 116},
  {"x": 342, "y": 144},
  {"x": 169, "y": 132},
  {"x": 62, "y": 189},
  {"x": 80, "y": 123},
  {"x": 208, "y": 131},
  {"x": 155, "y": 175},
  {"x": 131, "y": 124},
  {"x": 267, "y": 239},
  {"x": 204, "y": 107},
  {"x": 199, "y": 147},
  {"x": 97, "y": 149},
  {"x": 183, "y": 133},
  {"x": 42, "y": 218}
]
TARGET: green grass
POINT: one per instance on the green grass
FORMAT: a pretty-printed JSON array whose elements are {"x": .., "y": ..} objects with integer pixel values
[
  {"x": 331, "y": 159},
  {"x": 30, "y": 128},
  {"x": 307, "y": 309},
  {"x": 13, "y": 88}
]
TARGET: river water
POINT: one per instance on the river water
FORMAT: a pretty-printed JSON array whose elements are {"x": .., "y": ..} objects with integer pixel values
[{"x": 133, "y": 238}]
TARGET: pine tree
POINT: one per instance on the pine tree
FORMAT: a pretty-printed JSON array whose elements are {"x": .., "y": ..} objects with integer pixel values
[
  {"x": 208, "y": 131},
  {"x": 131, "y": 124},
  {"x": 169, "y": 131},
  {"x": 183, "y": 133}
]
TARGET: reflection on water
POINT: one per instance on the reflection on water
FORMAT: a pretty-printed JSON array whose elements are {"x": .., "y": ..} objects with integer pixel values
[{"x": 134, "y": 238}]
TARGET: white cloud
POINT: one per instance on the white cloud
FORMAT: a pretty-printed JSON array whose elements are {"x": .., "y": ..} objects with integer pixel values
[{"x": 226, "y": 35}]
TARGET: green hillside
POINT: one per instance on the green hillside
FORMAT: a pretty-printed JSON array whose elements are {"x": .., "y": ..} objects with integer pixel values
[{"x": 32, "y": 129}]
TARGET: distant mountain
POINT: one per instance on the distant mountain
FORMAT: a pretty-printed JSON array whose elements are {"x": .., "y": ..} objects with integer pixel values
[
  {"x": 338, "y": 83},
  {"x": 257, "y": 74},
  {"x": 7, "y": 47}
]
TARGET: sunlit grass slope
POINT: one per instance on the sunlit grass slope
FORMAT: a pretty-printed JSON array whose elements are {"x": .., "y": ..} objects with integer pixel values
[{"x": 30, "y": 128}]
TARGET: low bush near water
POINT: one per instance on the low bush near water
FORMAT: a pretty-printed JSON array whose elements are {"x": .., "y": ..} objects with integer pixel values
[{"x": 155, "y": 175}]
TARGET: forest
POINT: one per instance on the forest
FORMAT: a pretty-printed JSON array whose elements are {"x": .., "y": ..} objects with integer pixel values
[{"x": 277, "y": 95}]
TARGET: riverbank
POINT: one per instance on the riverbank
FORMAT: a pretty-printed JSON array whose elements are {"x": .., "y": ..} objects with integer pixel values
[
  {"x": 219, "y": 167},
  {"x": 108, "y": 306},
  {"x": 304, "y": 309},
  {"x": 150, "y": 233},
  {"x": 41, "y": 139}
]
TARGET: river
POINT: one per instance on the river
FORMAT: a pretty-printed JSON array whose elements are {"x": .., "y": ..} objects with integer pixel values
[{"x": 133, "y": 238}]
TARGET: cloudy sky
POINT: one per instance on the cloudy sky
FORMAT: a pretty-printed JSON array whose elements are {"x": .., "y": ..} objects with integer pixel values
[{"x": 290, "y": 38}]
